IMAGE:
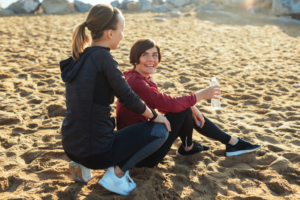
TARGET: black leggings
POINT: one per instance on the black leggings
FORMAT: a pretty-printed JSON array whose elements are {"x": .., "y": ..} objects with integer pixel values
[
  {"x": 131, "y": 145},
  {"x": 182, "y": 125}
]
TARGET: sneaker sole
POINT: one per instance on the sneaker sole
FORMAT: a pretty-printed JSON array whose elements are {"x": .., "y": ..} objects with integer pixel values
[
  {"x": 112, "y": 188},
  {"x": 236, "y": 153}
]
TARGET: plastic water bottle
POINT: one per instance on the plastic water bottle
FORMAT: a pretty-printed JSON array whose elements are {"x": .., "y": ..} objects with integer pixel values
[{"x": 215, "y": 103}]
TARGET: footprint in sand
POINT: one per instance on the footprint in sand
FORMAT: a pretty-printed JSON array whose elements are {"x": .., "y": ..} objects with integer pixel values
[
  {"x": 295, "y": 142},
  {"x": 269, "y": 139},
  {"x": 280, "y": 187}
]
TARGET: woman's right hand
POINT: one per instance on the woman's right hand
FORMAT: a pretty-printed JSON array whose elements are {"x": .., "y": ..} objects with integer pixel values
[
  {"x": 212, "y": 92},
  {"x": 164, "y": 120}
]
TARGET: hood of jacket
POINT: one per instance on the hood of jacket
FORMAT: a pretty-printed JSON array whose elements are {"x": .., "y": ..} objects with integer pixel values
[{"x": 70, "y": 68}]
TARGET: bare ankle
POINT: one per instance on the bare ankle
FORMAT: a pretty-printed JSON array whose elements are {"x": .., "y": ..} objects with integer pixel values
[
  {"x": 233, "y": 140},
  {"x": 189, "y": 148},
  {"x": 118, "y": 172}
]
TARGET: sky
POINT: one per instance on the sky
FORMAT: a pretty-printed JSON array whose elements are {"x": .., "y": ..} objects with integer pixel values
[{"x": 6, "y": 3}]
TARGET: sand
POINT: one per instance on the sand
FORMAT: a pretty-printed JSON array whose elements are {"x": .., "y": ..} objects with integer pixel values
[{"x": 255, "y": 61}]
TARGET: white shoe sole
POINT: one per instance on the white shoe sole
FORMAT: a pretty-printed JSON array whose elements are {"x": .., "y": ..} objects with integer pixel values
[
  {"x": 112, "y": 188},
  {"x": 236, "y": 153},
  {"x": 76, "y": 172}
]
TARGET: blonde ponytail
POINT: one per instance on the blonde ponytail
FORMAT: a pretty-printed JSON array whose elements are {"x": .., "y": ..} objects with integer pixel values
[
  {"x": 79, "y": 41},
  {"x": 100, "y": 18}
]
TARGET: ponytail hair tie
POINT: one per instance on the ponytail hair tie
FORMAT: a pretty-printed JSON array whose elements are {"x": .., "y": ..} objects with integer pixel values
[{"x": 85, "y": 24}]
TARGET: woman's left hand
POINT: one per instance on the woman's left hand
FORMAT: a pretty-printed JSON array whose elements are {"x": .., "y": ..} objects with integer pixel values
[{"x": 197, "y": 115}]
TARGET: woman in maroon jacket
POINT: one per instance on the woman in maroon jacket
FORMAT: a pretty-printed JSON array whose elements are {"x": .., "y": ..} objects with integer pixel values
[{"x": 181, "y": 111}]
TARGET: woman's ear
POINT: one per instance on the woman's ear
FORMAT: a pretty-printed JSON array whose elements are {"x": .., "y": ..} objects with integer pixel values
[{"x": 109, "y": 34}]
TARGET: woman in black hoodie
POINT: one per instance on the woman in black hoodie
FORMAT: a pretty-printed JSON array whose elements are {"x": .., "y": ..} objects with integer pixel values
[{"x": 92, "y": 79}]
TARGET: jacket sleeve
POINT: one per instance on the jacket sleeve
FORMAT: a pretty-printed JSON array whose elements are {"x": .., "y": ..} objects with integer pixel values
[
  {"x": 162, "y": 102},
  {"x": 121, "y": 88}
]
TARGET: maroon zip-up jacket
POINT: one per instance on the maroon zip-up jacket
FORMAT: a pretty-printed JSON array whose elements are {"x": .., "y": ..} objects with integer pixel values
[{"x": 147, "y": 90}]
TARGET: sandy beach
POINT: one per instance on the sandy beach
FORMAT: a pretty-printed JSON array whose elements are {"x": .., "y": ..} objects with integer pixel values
[{"x": 256, "y": 62}]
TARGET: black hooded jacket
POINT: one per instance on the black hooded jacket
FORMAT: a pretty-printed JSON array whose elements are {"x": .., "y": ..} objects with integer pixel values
[{"x": 91, "y": 84}]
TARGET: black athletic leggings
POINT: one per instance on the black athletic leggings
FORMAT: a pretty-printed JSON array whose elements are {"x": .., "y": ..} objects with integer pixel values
[
  {"x": 131, "y": 145},
  {"x": 182, "y": 125}
]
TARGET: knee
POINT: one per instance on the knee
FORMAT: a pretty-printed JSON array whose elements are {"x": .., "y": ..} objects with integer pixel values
[{"x": 160, "y": 130}]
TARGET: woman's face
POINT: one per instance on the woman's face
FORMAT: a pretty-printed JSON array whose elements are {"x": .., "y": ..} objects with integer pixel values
[
  {"x": 148, "y": 62},
  {"x": 118, "y": 33}
]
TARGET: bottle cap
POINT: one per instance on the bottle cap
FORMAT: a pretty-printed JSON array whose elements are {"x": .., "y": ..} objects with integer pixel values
[{"x": 213, "y": 78}]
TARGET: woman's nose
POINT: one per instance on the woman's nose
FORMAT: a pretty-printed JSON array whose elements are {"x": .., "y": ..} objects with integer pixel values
[{"x": 150, "y": 58}]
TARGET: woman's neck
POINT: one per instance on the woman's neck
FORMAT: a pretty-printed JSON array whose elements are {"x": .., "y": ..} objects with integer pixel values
[
  {"x": 142, "y": 74},
  {"x": 100, "y": 43}
]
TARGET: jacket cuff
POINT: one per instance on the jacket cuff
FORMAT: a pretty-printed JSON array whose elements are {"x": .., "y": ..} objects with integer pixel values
[{"x": 194, "y": 99}]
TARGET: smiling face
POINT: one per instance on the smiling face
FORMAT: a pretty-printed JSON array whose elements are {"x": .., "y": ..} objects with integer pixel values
[{"x": 148, "y": 62}]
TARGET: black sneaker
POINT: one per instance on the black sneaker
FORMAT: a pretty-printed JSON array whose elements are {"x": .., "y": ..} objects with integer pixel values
[
  {"x": 196, "y": 149},
  {"x": 240, "y": 148}
]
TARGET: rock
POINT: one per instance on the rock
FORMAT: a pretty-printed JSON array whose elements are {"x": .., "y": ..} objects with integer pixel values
[
  {"x": 229, "y": 3},
  {"x": 21, "y": 6},
  {"x": 197, "y": 2},
  {"x": 161, "y": 8},
  {"x": 40, "y": 10},
  {"x": 222, "y": 7},
  {"x": 265, "y": 4},
  {"x": 124, "y": 4},
  {"x": 258, "y": 9},
  {"x": 170, "y": 7},
  {"x": 229, "y": 14},
  {"x": 175, "y": 14},
  {"x": 280, "y": 7},
  {"x": 163, "y": 16},
  {"x": 187, "y": 15},
  {"x": 158, "y": 2},
  {"x": 6, "y": 12},
  {"x": 179, "y": 3},
  {"x": 284, "y": 20},
  {"x": 186, "y": 8},
  {"x": 146, "y": 5},
  {"x": 16, "y": 7},
  {"x": 255, "y": 10},
  {"x": 134, "y": 6},
  {"x": 174, "y": 10},
  {"x": 57, "y": 7},
  {"x": 30, "y": 6},
  {"x": 82, "y": 7},
  {"x": 206, "y": 8},
  {"x": 115, "y": 3},
  {"x": 160, "y": 20}
]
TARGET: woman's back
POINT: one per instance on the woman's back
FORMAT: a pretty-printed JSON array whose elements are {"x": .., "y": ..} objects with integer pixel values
[{"x": 87, "y": 128}]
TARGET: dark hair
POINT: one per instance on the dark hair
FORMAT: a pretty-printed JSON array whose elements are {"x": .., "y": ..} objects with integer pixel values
[
  {"x": 140, "y": 47},
  {"x": 100, "y": 18}
]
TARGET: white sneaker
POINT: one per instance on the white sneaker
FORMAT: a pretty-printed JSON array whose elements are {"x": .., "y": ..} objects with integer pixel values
[
  {"x": 79, "y": 172},
  {"x": 111, "y": 182}
]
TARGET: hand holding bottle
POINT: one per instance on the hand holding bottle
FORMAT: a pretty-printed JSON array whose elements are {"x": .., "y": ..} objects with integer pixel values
[
  {"x": 215, "y": 103},
  {"x": 212, "y": 92}
]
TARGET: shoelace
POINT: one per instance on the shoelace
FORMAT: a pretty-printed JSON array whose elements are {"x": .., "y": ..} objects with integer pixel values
[
  {"x": 128, "y": 178},
  {"x": 131, "y": 184},
  {"x": 199, "y": 146}
]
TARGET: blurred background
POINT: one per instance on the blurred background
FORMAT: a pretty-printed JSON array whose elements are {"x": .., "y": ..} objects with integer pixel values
[{"x": 6, "y": 3}]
